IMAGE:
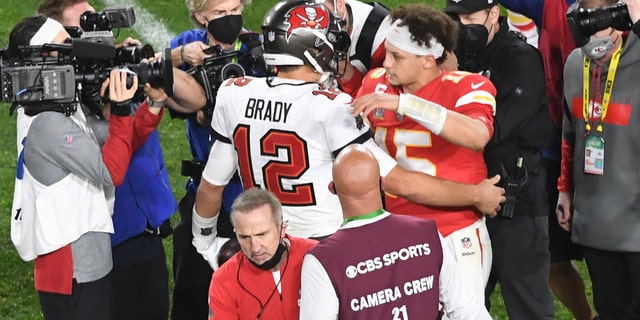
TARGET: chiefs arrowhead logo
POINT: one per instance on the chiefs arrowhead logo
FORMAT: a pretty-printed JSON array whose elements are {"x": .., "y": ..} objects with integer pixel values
[{"x": 315, "y": 17}]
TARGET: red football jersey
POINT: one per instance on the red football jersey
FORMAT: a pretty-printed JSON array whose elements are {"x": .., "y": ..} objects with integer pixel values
[{"x": 418, "y": 149}]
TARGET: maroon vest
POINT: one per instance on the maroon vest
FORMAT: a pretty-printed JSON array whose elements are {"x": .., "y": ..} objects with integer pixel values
[{"x": 387, "y": 269}]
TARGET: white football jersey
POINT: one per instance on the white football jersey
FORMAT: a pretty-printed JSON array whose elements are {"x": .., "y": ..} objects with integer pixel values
[{"x": 286, "y": 134}]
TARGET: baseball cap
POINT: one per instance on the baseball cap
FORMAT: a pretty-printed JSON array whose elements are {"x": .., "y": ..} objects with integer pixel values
[{"x": 468, "y": 6}]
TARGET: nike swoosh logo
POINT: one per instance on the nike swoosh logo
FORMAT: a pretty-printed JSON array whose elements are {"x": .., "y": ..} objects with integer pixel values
[{"x": 475, "y": 86}]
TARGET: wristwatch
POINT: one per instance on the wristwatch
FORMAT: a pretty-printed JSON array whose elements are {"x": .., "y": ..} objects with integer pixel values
[{"x": 155, "y": 104}]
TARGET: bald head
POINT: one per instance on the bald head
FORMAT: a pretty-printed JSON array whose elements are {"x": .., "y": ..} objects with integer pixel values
[{"x": 356, "y": 177}]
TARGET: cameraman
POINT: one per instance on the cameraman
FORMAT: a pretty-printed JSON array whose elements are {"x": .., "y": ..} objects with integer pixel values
[
  {"x": 599, "y": 185},
  {"x": 218, "y": 22},
  {"x": 67, "y": 168}
]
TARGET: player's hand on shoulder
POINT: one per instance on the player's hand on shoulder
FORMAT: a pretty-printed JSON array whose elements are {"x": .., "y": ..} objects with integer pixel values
[{"x": 367, "y": 103}]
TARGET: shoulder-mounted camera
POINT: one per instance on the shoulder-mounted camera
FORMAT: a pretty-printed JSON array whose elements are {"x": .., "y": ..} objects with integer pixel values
[{"x": 583, "y": 23}]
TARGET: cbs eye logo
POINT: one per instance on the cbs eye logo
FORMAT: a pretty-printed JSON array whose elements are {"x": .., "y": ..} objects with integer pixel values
[{"x": 352, "y": 272}]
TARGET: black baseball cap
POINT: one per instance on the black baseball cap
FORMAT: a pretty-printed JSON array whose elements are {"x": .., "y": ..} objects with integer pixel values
[{"x": 468, "y": 6}]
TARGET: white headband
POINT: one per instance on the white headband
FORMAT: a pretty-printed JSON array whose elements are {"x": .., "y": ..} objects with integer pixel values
[
  {"x": 46, "y": 33},
  {"x": 400, "y": 37}
]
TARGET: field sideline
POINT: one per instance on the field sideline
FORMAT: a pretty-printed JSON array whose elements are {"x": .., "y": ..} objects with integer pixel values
[{"x": 157, "y": 23}]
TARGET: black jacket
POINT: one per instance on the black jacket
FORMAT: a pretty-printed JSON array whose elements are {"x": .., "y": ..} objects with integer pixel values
[{"x": 522, "y": 125}]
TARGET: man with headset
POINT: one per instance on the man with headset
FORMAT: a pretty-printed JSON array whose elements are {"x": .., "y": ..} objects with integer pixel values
[{"x": 263, "y": 280}]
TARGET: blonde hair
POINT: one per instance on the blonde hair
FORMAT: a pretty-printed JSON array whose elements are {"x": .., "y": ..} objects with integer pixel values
[{"x": 195, "y": 6}]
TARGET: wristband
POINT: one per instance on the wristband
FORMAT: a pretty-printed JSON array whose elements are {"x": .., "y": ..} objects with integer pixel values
[
  {"x": 203, "y": 227},
  {"x": 155, "y": 104},
  {"x": 636, "y": 28},
  {"x": 428, "y": 114},
  {"x": 122, "y": 108}
]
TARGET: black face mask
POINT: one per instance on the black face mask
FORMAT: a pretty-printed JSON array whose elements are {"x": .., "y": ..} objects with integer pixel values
[
  {"x": 472, "y": 41},
  {"x": 271, "y": 263},
  {"x": 226, "y": 29}
]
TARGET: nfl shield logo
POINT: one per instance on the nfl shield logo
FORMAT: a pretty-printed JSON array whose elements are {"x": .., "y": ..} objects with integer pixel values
[
  {"x": 466, "y": 242},
  {"x": 271, "y": 36}
]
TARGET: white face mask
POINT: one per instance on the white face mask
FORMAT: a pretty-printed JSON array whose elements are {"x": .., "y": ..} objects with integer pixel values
[{"x": 597, "y": 48}]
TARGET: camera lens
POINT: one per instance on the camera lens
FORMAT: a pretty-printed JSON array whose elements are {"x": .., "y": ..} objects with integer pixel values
[
  {"x": 231, "y": 70},
  {"x": 594, "y": 20},
  {"x": 133, "y": 54}
]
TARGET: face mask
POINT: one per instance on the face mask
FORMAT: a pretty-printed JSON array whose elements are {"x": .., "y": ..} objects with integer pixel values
[
  {"x": 271, "y": 263},
  {"x": 226, "y": 29},
  {"x": 472, "y": 40},
  {"x": 597, "y": 48}
]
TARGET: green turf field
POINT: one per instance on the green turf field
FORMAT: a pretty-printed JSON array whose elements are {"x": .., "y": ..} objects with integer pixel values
[{"x": 157, "y": 22}]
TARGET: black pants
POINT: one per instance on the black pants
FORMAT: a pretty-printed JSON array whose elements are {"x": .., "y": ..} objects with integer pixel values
[
  {"x": 615, "y": 277},
  {"x": 521, "y": 266},
  {"x": 191, "y": 273},
  {"x": 560, "y": 245},
  {"x": 90, "y": 300},
  {"x": 140, "y": 279}
]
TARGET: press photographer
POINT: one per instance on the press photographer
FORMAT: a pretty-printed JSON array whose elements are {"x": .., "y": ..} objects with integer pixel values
[
  {"x": 217, "y": 22},
  {"x": 70, "y": 163},
  {"x": 598, "y": 185}
]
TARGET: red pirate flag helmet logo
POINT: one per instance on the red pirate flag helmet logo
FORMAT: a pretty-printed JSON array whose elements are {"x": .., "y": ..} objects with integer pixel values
[{"x": 314, "y": 17}]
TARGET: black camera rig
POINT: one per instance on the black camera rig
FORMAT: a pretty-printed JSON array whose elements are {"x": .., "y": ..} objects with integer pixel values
[
  {"x": 37, "y": 79},
  {"x": 224, "y": 65},
  {"x": 585, "y": 22},
  {"x": 98, "y": 26}
]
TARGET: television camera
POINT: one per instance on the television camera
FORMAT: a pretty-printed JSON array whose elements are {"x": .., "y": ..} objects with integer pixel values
[
  {"x": 583, "y": 23},
  {"x": 39, "y": 79}
]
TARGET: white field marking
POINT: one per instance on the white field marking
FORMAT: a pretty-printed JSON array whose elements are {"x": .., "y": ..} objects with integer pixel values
[{"x": 150, "y": 29}]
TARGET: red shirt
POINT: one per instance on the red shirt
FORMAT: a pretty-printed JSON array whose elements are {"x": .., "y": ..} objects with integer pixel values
[
  {"x": 239, "y": 290},
  {"x": 417, "y": 149}
]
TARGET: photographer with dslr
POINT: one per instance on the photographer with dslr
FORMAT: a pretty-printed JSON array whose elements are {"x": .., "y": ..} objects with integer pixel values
[
  {"x": 219, "y": 32},
  {"x": 67, "y": 167},
  {"x": 599, "y": 185}
]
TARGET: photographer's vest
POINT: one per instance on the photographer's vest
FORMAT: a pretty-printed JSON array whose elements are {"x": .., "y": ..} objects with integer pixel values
[
  {"x": 46, "y": 218},
  {"x": 378, "y": 276}
]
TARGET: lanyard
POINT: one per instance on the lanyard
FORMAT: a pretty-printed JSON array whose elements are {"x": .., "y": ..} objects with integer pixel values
[
  {"x": 611, "y": 74},
  {"x": 366, "y": 216},
  {"x": 237, "y": 47}
]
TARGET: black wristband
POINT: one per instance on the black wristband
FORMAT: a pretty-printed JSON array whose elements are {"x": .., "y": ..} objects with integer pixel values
[
  {"x": 122, "y": 108},
  {"x": 636, "y": 28}
]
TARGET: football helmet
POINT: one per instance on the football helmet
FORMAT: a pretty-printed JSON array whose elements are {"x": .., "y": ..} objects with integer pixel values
[{"x": 299, "y": 32}]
